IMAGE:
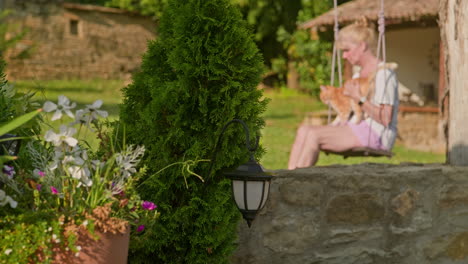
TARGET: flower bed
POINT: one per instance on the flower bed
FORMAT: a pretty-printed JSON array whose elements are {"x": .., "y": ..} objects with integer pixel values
[{"x": 71, "y": 192}]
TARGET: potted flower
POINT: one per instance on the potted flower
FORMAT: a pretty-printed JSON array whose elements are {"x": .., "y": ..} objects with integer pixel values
[{"x": 74, "y": 202}]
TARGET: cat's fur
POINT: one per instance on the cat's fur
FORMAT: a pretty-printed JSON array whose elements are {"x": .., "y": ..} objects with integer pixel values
[{"x": 343, "y": 104}]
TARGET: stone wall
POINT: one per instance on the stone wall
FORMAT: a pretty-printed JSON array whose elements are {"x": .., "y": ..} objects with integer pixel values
[
  {"x": 369, "y": 213},
  {"x": 67, "y": 41}
]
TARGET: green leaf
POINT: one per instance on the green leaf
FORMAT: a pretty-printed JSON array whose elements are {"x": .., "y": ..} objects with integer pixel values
[{"x": 18, "y": 122}]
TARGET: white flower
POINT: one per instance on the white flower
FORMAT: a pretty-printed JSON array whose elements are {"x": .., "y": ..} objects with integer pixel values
[
  {"x": 97, "y": 164},
  {"x": 87, "y": 182},
  {"x": 63, "y": 105},
  {"x": 90, "y": 113},
  {"x": 129, "y": 159},
  {"x": 49, "y": 229},
  {"x": 79, "y": 172},
  {"x": 82, "y": 117},
  {"x": 93, "y": 109},
  {"x": 78, "y": 248},
  {"x": 4, "y": 199},
  {"x": 8, "y": 251},
  {"x": 85, "y": 223},
  {"x": 65, "y": 135},
  {"x": 54, "y": 236},
  {"x": 59, "y": 155}
]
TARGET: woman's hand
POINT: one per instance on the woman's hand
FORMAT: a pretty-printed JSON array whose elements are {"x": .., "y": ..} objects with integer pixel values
[{"x": 351, "y": 89}]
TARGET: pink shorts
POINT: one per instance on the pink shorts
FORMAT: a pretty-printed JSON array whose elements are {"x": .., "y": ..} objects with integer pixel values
[{"x": 367, "y": 137}]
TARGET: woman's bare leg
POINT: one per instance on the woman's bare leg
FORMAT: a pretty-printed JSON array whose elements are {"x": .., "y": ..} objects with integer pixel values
[
  {"x": 298, "y": 145},
  {"x": 333, "y": 138}
]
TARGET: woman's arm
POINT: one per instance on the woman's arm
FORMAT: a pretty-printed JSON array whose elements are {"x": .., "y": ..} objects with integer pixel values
[{"x": 380, "y": 113}]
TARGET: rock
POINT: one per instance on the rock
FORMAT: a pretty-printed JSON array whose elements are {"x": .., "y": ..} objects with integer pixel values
[{"x": 362, "y": 208}]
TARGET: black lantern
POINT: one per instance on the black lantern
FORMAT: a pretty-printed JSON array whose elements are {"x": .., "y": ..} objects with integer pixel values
[
  {"x": 250, "y": 183},
  {"x": 9, "y": 145},
  {"x": 250, "y": 188}
]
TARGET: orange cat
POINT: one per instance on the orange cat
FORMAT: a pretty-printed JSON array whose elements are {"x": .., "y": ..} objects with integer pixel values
[{"x": 343, "y": 104}]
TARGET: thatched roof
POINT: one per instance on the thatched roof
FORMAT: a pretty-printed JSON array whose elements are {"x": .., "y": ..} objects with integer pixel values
[
  {"x": 103, "y": 9},
  {"x": 396, "y": 12}
]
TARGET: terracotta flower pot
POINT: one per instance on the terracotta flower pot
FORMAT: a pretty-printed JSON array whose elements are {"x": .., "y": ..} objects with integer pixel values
[{"x": 110, "y": 248}]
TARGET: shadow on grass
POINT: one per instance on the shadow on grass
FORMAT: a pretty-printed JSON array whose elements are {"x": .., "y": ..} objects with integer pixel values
[
  {"x": 279, "y": 116},
  {"x": 41, "y": 87},
  {"x": 69, "y": 89}
]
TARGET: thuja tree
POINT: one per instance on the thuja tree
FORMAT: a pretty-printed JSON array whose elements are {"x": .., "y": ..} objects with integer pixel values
[{"x": 200, "y": 73}]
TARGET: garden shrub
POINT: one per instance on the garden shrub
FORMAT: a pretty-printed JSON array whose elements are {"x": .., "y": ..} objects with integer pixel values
[
  {"x": 200, "y": 73},
  {"x": 14, "y": 104}
]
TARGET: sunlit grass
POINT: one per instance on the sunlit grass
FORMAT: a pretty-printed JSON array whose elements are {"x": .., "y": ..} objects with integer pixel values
[{"x": 287, "y": 110}]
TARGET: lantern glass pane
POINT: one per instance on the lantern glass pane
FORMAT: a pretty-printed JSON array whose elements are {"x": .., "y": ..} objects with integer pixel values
[
  {"x": 266, "y": 188},
  {"x": 238, "y": 190},
  {"x": 254, "y": 194}
]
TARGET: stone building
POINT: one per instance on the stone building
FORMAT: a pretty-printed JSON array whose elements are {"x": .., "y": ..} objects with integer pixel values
[{"x": 74, "y": 41}]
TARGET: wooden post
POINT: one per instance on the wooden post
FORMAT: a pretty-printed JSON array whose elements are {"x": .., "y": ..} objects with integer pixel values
[
  {"x": 443, "y": 101},
  {"x": 454, "y": 34},
  {"x": 292, "y": 80}
]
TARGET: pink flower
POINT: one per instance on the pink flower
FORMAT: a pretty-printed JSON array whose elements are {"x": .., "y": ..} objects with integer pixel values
[
  {"x": 53, "y": 190},
  {"x": 41, "y": 173},
  {"x": 140, "y": 228},
  {"x": 148, "y": 205},
  {"x": 38, "y": 187}
]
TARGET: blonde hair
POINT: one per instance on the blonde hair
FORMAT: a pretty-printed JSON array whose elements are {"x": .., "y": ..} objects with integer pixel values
[{"x": 360, "y": 31}]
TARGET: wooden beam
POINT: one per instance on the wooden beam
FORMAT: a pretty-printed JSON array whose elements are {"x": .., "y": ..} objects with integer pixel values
[
  {"x": 417, "y": 109},
  {"x": 453, "y": 23}
]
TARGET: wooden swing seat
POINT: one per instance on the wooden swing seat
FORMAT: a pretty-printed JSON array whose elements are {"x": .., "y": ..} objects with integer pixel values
[{"x": 362, "y": 152}]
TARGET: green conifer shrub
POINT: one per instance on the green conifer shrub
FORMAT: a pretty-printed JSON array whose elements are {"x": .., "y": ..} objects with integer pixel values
[{"x": 200, "y": 73}]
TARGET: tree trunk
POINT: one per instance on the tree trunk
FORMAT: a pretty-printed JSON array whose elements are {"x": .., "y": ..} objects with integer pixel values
[
  {"x": 293, "y": 77},
  {"x": 453, "y": 16}
]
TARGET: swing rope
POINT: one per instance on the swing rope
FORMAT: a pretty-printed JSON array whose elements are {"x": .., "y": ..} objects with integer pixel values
[
  {"x": 381, "y": 50},
  {"x": 335, "y": 57}
]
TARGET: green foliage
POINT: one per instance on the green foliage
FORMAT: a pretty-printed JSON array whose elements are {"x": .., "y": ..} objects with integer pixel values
[
  {"x": 311, "y": 57},
  {"x": 10, "y": 34},
  {"x": 24, "y": 235},
  {"x": 267, "y": 18},
  {"x": 199, "y": 74},
  {"x": 309, "y": 53},
  {"x": 89, "y": 2},
  {"x": 146, "y": 7},
  {"x": 14, "y": 104}
]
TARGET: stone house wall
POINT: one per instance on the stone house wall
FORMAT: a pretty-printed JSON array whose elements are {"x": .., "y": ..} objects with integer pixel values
[
  {"x": 368, "y": 213},
  {"x": 70, "y": 41}
]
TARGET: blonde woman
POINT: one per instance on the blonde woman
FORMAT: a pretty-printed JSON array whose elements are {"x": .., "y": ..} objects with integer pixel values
[{"x": 358, "y": 43}]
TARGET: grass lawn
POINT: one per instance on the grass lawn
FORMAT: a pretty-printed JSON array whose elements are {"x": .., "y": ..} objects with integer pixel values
[
  {"x": 285, "y": 112},
  {"x": 81, "y": 92}
]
